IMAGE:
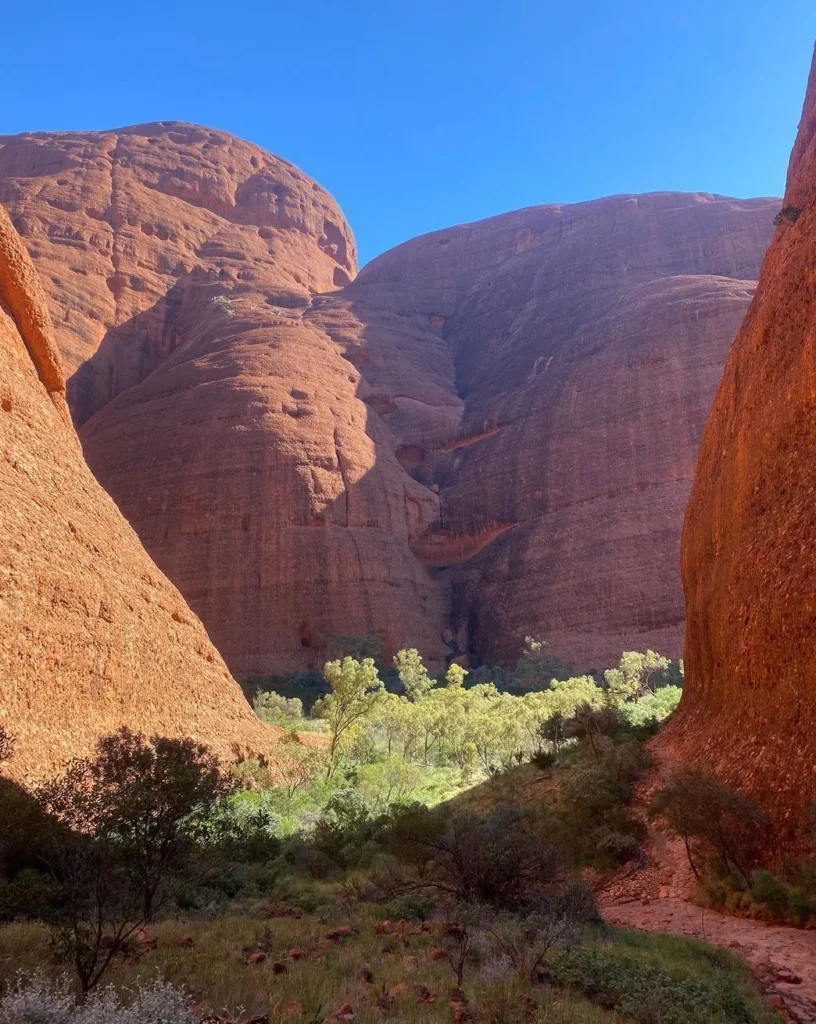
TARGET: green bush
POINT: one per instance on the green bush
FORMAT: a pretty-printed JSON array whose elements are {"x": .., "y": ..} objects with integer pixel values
[
  {"x": 659, "y": 979},
  {"x": 771, "y": 898},
  {"x": 592, "y": 818},
  {"x": 722, "y": 829}
]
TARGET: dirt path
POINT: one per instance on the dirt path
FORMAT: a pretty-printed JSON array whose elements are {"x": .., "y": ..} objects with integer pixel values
[
  {"x": 778, "y": 956},
  {"x": 656, "y": 895}
]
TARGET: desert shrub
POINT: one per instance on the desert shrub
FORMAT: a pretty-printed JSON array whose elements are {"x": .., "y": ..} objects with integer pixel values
[
  {"x": 592, "y": 817},
  {"x": 771, "y": 898},
  {"x": 36, "y": 999},
  {"x": 279, "y": 710},
  {"x": 537, "y": 667},
  {"x": 126, "y": 831},
  {"x": 721, "y": 828},
  {"x": 556, "y": 916},
  {"x": 788, "y": 213},
  {"x": 498, "y": 861},
  {"x": 358, "y": 647},
  {"x": 659, "y": 979},
  {"x": 150, "y": 803},
  {"x": 409, "y": 906}
]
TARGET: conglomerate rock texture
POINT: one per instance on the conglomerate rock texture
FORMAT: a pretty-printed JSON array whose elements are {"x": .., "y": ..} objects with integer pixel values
[
  {"x": 749, "y": 710},
  {"x": 489, "y": 433},
  {"x": 92, "y": 636}
]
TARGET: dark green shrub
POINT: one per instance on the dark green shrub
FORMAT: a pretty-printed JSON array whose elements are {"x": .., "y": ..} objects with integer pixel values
[
  {"x": 410, "y": 906},
  {"x": 721, "y": 828},
  {"x": 498, "y": 861},
  {"x": 788, "y": 213},
  {"x": 592, "y": 818},
  {"x": 659, "y": 980}
]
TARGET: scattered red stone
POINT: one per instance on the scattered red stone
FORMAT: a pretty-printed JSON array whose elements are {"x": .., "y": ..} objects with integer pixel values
[
  {"x": 438, "y": 954},
  {"x": 294, "y": 1007},
  {"x": 459, "y": 1010},
  {"x": 383, "y": 928},
  {"x": 147, "y": 938},
  {"x": 295, "y": 954},
  {"x": 424, "y": 995},
  {"x": 286, "y": 912},
  {"x": 256, "y": 958},
  {"x": 343, "y": 932},
  {"x": 186, "y": 942}
]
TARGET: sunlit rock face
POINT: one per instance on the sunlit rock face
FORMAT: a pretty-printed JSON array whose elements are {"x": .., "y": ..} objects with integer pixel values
[
  {"x": 92, "y": 635},
  {"x": 749, "y": 710},
  {"x": 490, "y": 432}
]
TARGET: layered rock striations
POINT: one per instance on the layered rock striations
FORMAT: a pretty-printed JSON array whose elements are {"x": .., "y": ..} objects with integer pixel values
[
  {"x": 92, "y": 635},
  {"x": 489, "y": 433},
  {"x": 749, "y": 710}
]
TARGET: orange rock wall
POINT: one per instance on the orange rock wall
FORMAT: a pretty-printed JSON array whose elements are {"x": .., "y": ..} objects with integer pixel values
[
  {"x": 749, "y": 710},
  {"x": 489, "y": 433},
  {"x": 92, "y": 636}
]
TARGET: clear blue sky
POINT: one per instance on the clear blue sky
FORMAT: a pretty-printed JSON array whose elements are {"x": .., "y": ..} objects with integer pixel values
[{"x": 425, "y": 113}]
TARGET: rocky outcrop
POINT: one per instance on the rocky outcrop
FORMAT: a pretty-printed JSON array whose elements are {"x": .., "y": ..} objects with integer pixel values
[
  {"x": 749, "y": 710},
  {"x": 180, "y": 263},
  {"x": 92, "y": 636},
  {"x": 489, "y": 433},
  {"x": 548, "y": 373}
]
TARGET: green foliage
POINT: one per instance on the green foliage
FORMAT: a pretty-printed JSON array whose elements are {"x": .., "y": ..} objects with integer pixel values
[
  {"x": 653, "y": 707},
  {"x": 277, "y": 709},
  {"x": 638, "y": 674},
  {"x": 359, "y": 648},
  {"x": 356, "y": 690},
  {"x": 789, "y": 214},
  {"x": 435, "y": 739},
  {"x": 120, "y": 834},
  {"x": 455, "y": 676},
  {"x": 412, "y": 674},
  {"x": 650, "y": 978},
  {"x": 499, "y": 861},
  {"x": 591, "y": 816},
  {"x": 771, "y": 898},
  {"x": 537, "y": 667},
  {"x": 721, "y": 828}
]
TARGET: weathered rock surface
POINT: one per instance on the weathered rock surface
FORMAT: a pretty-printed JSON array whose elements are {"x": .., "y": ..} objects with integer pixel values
[
  {"x": 179, "y": 262},
  {"x": 750, "y": 706},
  {"x": 489, "y": 433},
  {"x": 549, "y": 372},
  {"x": 92, "y": 636}
]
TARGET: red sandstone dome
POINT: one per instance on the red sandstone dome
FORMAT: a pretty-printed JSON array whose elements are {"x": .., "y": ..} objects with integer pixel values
[
  {"x": 489, "y": 433},
  {"x": 92, "y": 635}
]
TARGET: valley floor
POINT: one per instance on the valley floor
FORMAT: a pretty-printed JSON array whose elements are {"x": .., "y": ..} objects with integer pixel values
[{"x": 776, "y": 955}]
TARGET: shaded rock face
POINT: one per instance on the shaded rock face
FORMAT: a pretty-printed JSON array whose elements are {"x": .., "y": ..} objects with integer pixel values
[
  {"x": 749, "y": 710},
  {"x": 180, "y": 263},
  {"x": 549, "y": 372},
  {"x": 92, "y": 636},
  {"x": 489, "y": 433}
]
